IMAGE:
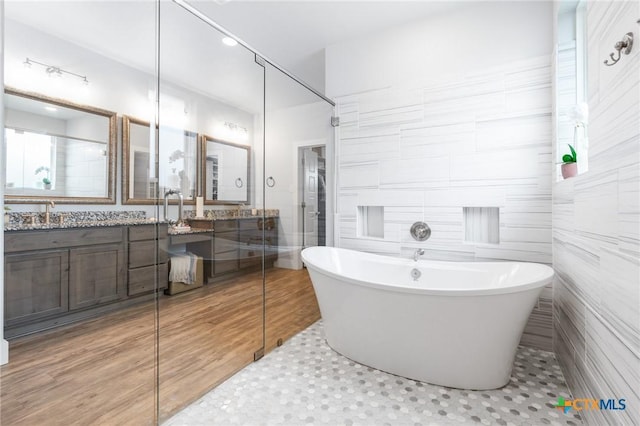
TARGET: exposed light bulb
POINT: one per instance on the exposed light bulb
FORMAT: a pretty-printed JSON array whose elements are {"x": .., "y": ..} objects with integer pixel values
[{"x": 229, "y": 41}]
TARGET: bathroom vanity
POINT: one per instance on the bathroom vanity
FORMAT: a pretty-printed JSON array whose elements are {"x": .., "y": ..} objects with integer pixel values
[
  {"x": 58, "y": 276},
  {"x": 231, "y": 246}
]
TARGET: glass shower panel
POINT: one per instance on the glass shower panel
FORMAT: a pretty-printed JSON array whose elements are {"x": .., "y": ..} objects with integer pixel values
[
  {"x": 210, "y": 129},
  {"x": 298, "y": 200},
  {"x": 81, "y": 335}
]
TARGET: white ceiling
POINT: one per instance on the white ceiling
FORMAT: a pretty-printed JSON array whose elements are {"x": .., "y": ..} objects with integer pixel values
[
  {"x": 290, "y": 33},
  {"x": 295, "y": 33}
]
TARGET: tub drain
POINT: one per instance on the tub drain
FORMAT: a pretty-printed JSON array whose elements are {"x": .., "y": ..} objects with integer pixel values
[{"x": 415, "y": 274}]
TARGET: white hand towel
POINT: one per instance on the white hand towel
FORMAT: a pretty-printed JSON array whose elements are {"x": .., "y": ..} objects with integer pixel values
[{"x": 183, "y": 268}]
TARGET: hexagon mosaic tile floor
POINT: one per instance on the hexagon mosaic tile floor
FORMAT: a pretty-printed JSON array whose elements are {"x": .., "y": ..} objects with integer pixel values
[{"x": 304, "y": 382}]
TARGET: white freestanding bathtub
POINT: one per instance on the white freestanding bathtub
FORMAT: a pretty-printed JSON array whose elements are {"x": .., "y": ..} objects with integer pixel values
[{"x": 457, "y": 325}]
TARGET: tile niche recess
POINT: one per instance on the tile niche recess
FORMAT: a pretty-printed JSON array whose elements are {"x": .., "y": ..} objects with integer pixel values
[
  {"x": 371, "y": 221},
  {"x": 481, "y": 225}
]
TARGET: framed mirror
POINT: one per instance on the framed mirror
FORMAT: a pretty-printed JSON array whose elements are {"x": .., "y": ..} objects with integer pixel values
[
  {"x": 177, "y": 168},
  {"x": 58, "y": 151},
  {"x": 225, "y": 171}
]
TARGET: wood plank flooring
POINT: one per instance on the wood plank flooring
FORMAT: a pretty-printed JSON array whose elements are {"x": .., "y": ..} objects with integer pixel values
[{"x": 102, "y": 371}]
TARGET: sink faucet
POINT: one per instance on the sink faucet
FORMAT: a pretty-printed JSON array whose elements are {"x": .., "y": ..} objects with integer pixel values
[
  {"x": 47, "y": 213},
  {"x": 416, "y": 254},
  {"x": 180, "y": 205}
]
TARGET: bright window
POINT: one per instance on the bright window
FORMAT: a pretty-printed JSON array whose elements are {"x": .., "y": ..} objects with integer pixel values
[
  {"x": 571, "y": 88},
  {"x": 32, "y": 159}
]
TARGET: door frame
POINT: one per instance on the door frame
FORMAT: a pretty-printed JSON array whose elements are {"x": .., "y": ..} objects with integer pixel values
[{"x": 298, "y": 147}]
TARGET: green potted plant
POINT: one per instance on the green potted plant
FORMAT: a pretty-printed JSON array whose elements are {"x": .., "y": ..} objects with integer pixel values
[
  {"x": 45, "y": 180},
  {"x": 569, "y": 163},
  {"x": 47, "y": 183}
]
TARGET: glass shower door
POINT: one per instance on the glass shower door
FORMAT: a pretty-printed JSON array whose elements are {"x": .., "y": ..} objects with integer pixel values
[
  {"x": 81, "y": 344},
  {"x": 211, "y": 315},
  {"x": 298, "y": 171}
]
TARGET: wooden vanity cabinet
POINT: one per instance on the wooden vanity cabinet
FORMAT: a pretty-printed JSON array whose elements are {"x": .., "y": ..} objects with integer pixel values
[
  {"x": 145, "y": 264},
  {"x": 251, "y": 235},
  {"x": 225, "y": 247},
  {"x": 238, "y": 244},
  {"x": 59, "y": 276}
]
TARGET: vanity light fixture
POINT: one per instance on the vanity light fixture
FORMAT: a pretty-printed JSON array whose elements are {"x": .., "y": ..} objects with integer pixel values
[
  {"x": 229, "y": 41},
  {"x": 232, "y": 131},
  {"x": 234, "y": 128},
  {"x": 53, "y": 71}
]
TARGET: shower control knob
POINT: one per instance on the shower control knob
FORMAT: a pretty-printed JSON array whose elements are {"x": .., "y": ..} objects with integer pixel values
[
  {"x": 420, "y": 231},
  {"x": 415, "y": 274}
]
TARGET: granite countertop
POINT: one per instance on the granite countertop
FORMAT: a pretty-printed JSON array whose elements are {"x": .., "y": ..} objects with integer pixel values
[
  {"x": 22, "y": 221},
  {"x": 173, "y": 231},
  {"x": 80, "y": 224},
  {"x": 230, "y": 214}
]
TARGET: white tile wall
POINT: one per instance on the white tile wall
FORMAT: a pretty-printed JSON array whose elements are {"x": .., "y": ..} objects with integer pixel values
[
  {"x": 425, "y": 153},
  {"x": 596, "y": 231}
]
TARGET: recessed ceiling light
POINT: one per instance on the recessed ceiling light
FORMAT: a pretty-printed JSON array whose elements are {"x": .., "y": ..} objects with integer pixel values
[
  {"x": 50, "y": 108},
  {"x": 229, "y": 41}
]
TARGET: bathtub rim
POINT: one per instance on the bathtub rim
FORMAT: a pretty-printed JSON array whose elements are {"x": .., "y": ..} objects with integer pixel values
[{"x": 548, "y": 279}]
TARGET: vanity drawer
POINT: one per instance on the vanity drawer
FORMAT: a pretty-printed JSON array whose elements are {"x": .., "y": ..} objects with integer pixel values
[
  {"x": 258, "y": 223},
  {"x": 60, "y": 238},
  {"x": 225, "y": 225},
  {"x": 225, "y": 262},
  {"x": 143, "y": 253},
  {"x": 142, "y": 280},
  {"x": 250, "y": 224},
  {"x": 190, "y": 238},
  {"x": 147, "y": 232},
  {"x": 250, "y": 257},
  {"x": 225, "y": 242}
]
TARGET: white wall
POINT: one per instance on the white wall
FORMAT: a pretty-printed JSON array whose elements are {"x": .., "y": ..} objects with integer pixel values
[
  {"x": 446, "y": 113},
  {"x": 474, "y": 36},
  {"x": 596, "y": 230}
]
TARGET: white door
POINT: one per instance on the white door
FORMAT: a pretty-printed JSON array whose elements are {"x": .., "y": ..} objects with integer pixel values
[{"x": 310, "y": 198}]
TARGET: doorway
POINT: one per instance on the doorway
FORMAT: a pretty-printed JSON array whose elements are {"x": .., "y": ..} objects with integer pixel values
[{"x": 313, "y": 195}]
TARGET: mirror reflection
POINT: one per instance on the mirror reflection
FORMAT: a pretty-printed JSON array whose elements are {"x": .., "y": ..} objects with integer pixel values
[
  {"x": 177, "y": 167},
  {"x": 225, "y": 168},
  {"x": 59, "y": 151}
]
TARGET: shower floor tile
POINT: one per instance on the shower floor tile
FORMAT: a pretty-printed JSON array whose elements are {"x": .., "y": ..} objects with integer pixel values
[{"x": 304, "y": 382}]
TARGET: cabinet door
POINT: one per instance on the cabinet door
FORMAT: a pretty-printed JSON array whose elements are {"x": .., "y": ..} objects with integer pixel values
[
  {"x": 35, "y": 285},
  {"x": 96, "y": 275}
]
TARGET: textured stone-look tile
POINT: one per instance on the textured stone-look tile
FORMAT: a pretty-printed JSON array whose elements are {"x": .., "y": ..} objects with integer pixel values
[
  {"x": 479, "y": 140},
  {"x": 596, "y": 237},
  {"x": 305, "y": 382}
]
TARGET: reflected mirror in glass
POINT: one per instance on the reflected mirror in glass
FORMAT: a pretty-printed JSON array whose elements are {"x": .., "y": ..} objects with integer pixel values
[
  {"x": 225, "y": 168},
  {"x": 57, "y": 150}
]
